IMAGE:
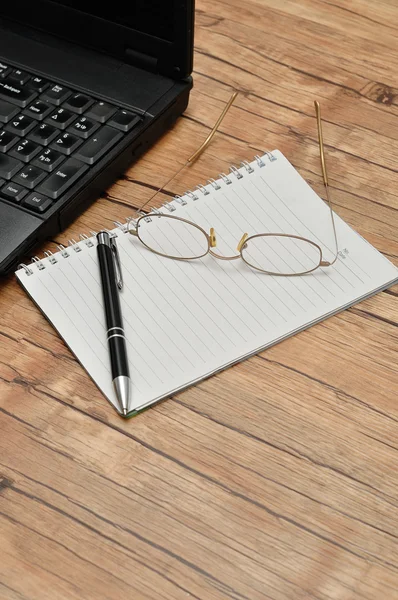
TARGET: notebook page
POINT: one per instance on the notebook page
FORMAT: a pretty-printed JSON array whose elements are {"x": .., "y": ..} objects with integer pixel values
[{"x": 187, "y": 320}]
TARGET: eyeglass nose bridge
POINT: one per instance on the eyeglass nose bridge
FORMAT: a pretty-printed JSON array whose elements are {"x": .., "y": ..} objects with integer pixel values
[{"x": 213, "y": 243}]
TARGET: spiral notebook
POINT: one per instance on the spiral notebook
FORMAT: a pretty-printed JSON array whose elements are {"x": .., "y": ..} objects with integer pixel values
[{"x": 185, "y": 321}]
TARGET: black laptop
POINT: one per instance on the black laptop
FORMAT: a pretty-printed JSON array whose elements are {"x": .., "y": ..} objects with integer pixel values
[{"x": 85, "y": 88}]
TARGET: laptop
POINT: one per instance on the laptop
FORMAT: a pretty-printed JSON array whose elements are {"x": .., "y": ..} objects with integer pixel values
[{"x": 85, "y": 88}]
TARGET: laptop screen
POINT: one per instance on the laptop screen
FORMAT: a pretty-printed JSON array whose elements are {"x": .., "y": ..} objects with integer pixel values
[
  {"x": 155, "y": 35},
  {"x": 154, "y": 17}
]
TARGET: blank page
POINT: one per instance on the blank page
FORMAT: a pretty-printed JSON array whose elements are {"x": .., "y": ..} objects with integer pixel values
[{"x": 187, "y": 320}]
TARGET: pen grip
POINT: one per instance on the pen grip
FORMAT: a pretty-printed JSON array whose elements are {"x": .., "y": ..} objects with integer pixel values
[
  {"x": 113, "y": 313},
  {"x": 118, "y": 353}
]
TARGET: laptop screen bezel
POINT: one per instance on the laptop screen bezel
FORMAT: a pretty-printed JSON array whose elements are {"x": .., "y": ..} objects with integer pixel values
[{"x": 172, "y": 58}]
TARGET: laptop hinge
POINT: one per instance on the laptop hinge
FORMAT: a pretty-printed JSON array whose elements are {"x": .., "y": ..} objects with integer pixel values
[{"x": 141, "y": 60}]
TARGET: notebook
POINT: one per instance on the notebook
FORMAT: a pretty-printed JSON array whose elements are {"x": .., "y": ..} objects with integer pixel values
[{"x": 185, "y": 321}]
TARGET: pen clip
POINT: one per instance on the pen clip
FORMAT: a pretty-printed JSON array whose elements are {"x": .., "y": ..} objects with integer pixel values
[{"x": 118, "y": 266}]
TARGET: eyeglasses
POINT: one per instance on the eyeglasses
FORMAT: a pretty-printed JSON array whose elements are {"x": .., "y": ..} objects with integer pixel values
[{"x": 271, "y": 253}]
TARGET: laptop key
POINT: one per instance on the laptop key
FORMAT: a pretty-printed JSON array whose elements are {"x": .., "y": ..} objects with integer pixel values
[
  {"x": 25, "y": 150},
  {"x": 21, "y": 125},
  {"x": 61, "y": 118},
  {"x": 9, "y": 166},
  {"x": 30, "y": 176},
  {"x": 38, "y": 84},
  {"x": 48, "y": 160},
  {"x": 84, "y": 127},
  {"x": 7, "y": 140},
  {"x": 98, "y": 145},
  {"x": 13, "y": 191},
  {"x": 18, "y": 76},
  {"x": 7, "y": 111},
  {"x": 78, "y": 103},
  {"x": 62, "y": 178},
  {"x": 19, "y": 95},
  {"x": 56, "y": 94},
  {"x": 66, "y": 143},
  {"x": 101, "y": 112},
  {"x": 4, "y": 70},
  {"x": 38, "y": 110},
  {"x": 124, "y": 120},
  {"x": 43, "y": 134},
  {"x": 37, "y": 202}
]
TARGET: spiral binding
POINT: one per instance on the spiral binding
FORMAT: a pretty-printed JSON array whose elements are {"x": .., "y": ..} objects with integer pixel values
[
  {"x": 38, "y": 262},
  {"x": 75, "y": 246},
  {"x": 27, "y": 270},
  {"x": 63, "y": 250},
  {"x": 201, "y": 188},
  {"x": 246, "y": 165},
  {"x": 180, "y": 200},
  {"x": 84, "y": 238},
  {"x": 50, "y": 257},
  {"x": 226, "y": 179}
]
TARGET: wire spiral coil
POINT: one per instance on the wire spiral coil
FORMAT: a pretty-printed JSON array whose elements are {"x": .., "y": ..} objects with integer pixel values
[{"x": 245, "y": 166}]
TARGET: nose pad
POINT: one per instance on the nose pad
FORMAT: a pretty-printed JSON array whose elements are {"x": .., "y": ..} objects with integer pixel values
[
  {"x": 213, "y": 239},
  {"x": 241, "y": 244}
]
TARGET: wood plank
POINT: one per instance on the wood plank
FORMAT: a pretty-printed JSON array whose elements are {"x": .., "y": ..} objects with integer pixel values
[{"x": 164, "y": 512}]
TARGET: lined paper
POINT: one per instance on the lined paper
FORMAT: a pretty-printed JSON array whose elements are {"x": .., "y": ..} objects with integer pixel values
[{"x": 187, "y": 320}]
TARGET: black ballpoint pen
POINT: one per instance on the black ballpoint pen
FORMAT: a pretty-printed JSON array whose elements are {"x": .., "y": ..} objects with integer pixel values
[{"x": 112, "y": 284}]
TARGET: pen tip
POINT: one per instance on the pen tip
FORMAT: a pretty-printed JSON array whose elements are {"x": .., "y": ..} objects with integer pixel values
[{"x": 122, "y": 386}]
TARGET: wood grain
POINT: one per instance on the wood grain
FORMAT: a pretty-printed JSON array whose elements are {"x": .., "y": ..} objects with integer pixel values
[{"x": 276, "y": 479}]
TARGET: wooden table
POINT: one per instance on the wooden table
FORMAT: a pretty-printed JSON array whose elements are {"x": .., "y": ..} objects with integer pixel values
[{"x": 276, "y": 479}]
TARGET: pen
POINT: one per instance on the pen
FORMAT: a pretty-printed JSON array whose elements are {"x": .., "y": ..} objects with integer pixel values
[{"x": 112, "y": 284}]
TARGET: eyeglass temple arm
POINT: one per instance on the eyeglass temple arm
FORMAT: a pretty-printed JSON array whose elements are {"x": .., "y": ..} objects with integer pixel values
[
  {"x": 325, "y": 178},
  {"x": 212, "y": 133},
  {"x": 198, "y": 152}
]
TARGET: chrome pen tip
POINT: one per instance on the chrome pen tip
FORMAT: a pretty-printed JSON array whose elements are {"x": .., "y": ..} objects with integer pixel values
[{"x": 122, "y": 387}]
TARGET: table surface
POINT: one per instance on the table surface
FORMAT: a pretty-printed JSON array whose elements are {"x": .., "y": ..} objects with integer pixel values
[{"x": 276, "y": 479}]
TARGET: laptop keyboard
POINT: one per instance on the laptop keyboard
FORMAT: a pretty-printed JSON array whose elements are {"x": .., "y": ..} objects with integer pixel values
[{"x": 50, "y": 136}]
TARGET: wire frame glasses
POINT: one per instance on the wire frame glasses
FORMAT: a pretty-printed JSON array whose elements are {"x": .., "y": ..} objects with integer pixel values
[{"x": 281, "y": 254}]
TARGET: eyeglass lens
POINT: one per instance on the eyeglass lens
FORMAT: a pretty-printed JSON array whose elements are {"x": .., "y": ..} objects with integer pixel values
[
  {"x": 172, "y": 237},
  {"x": 282, "y": 255}
]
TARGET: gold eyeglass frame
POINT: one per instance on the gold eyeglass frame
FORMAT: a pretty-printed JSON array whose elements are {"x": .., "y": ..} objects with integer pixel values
[{"x": 245, "y": 239}]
